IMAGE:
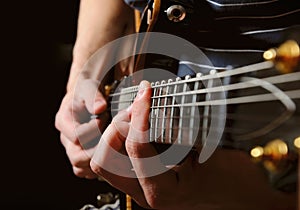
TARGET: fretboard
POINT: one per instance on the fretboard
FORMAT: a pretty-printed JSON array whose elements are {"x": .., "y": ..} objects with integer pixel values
[{"x": 184, "y": 109}]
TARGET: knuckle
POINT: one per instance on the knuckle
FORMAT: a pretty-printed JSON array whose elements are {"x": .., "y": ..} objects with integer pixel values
[
  {"x": 96, "y": 168},
  {"x": 78, "y": 172},
  {"x": 75, "y": 160},
  {"x": 57, "y": 121}
]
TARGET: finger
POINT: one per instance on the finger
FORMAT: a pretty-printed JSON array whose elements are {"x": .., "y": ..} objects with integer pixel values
[
  {"x": 64, "y": 120},
  {"x": 77, "y": 156},
  {"x": 152, "y": 174},
  {"x": 93, "y": 99},
  {"x": 138, "y": 137},
  {"x": 111, "y": 145},
  {"x": 110, "y": 162},
  {"x": 88, "y": 134},
  {"x": 76, "y": 110},
  {"x": 85, "y": 172}
]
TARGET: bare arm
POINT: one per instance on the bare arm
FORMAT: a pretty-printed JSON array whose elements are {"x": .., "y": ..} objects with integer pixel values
[{"x": 99, "y": 22}]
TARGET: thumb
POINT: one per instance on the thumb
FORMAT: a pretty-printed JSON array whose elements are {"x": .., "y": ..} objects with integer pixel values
[
  {"x": 145, "y": 160},
  {"x": 100, "y": 103},
  {"x": 138, "y": 136},
  {"x": 93, "y": 99}
]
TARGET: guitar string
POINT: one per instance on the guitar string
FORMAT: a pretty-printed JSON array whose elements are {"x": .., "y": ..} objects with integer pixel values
[
  {"x": 231, "y": 87},
  {"x": 266, "y": 65},
  {"x": 229, "y": 116},
  {"x": 180, "y": 118},
  {"x": 241, "y": 85},
  {"x": 292, "y": 77}
]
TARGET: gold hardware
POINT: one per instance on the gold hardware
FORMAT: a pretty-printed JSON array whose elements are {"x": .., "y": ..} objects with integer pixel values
[
  {"x": 106, "y": 198},
  {"x": 276, "y": 149},
  {"x": 176, "y": 13},
  {"x": 128, "y": 202},
  {"x": 108, "y": 89},
  {"x": 297, "y": 142},
  {"x": 286, "y": 57},
  {"x": 257, "y": 152},
  {"x": 272, "y": 155}
]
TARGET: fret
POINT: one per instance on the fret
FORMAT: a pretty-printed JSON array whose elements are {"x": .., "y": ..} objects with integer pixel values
[
  {"x": 125, "y": 98},
  {"x": 168, "y": 133},
  {"x": 152, "y": 115},
  {"x": 193, "y": 113},
  {"x": 175, "y": 88},
  {"x": 182, "y": 109},
  {"x": 156, "y": 128},
  {"x": 134, "y": 93},
  {"x": 164, "y": 92},
  {"x": 207, "y": 108}
]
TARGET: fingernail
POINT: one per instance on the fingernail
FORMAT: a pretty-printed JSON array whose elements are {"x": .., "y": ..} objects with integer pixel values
[
  {"x": 129, "y": 108},
  {"x": 98, "y": 104},
  {"x": 142, "y": 87}
]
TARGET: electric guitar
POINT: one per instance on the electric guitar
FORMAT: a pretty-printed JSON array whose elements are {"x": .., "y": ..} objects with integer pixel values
[
  {"x": 254, "y": 108},
  {"x": 261, "y": 116}
]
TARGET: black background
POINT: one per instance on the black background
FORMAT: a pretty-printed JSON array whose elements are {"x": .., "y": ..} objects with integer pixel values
[{"x": 35, "y": 171}]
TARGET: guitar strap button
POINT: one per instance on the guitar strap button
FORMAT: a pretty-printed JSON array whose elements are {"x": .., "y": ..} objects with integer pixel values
[{"x": 176, "y": 13}]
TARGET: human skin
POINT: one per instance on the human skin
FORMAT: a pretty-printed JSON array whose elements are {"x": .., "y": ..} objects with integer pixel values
[
  {"x": 227, "y": 180},
  {"x": 99, "y": 22}
]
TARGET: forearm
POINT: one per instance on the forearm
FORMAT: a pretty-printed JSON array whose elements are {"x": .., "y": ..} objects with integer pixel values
[{"x": 99, "y": 22}]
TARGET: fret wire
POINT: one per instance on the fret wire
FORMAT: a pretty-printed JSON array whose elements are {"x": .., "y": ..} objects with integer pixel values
[
  {"x": 172, "y": 115},
  {"x": 163, "y": 117},
  {"x": 241, "y": 70},
  {"x": 152, "y": 136},
  {"x": 181, "y": 115},
  {"x": 293, "y": 94},
  {"x": 193, "y": 112},
  {"x": 206, "y": 112},
  {"x": 157, "y": 115}
]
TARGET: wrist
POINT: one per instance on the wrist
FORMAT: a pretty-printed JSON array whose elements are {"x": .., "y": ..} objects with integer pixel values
[
  {"x": 80, "y": 56},
  {"x": 75, "y": 70}
]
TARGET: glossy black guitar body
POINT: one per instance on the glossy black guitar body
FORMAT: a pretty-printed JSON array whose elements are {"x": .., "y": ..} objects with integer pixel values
[{"x": 262, "y": 104}]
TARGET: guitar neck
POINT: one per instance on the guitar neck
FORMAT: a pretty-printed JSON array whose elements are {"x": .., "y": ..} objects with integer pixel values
[{"x": 184, "y": 109}]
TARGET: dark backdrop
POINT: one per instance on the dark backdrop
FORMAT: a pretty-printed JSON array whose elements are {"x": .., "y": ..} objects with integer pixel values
[{"x": 37, "y": 37}]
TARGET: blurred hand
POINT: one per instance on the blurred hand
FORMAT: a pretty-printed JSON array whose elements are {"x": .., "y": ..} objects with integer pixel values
[{"x": 79, "y": 133}]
